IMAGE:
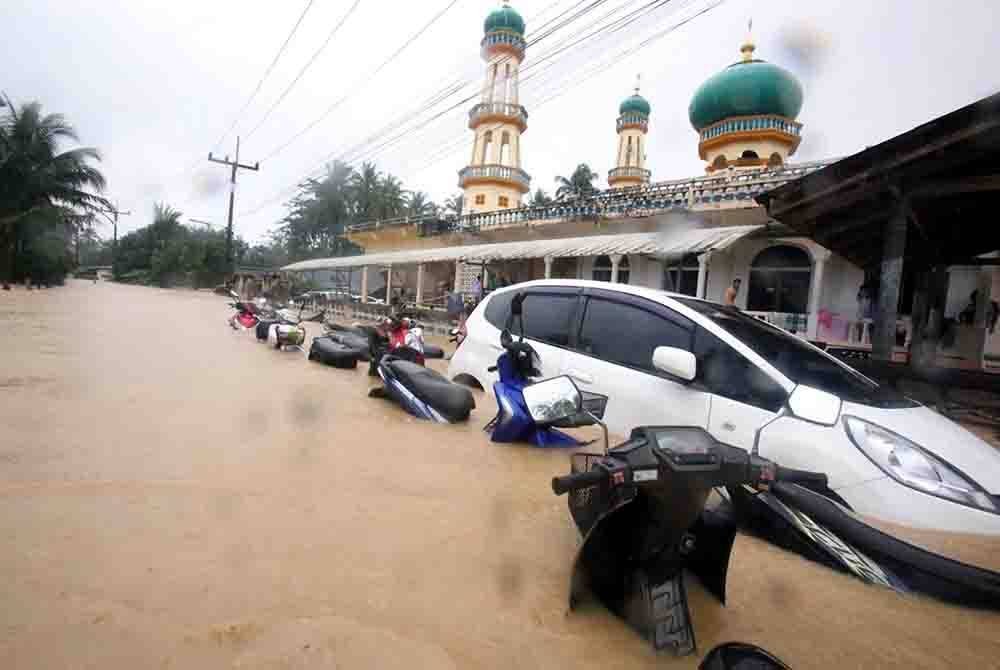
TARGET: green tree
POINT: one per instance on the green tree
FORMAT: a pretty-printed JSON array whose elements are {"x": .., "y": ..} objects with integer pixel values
[
  {"x": 540, "y": 199},
  {"x": 46, "y": 191},
  {"x": 365, "y": 185},
  {"x": 454, "y": 204},
  {"x": 391, "y": 199},
  {"x": 578, "y": 184},
  {"x": 419, "y": 203}
]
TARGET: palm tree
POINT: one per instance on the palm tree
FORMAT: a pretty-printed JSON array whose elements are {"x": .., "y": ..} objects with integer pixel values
[
  {"x": 390, "y": 197},
  {"x": 365, "y": 191},
  {"x": 419, "y": 203},
  {"x": 455, "y": 204},
  {"x": 579, "y": 183},
  {"x": 540, "y": 199},
  {"x": 40, "y": 185}
]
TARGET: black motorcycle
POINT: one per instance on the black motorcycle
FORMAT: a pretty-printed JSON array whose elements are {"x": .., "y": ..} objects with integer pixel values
[{"x": 641, "y": 508}]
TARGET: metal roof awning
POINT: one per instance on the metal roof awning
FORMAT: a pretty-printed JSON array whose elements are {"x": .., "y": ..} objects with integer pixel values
[{"x": 675, "y": 242}]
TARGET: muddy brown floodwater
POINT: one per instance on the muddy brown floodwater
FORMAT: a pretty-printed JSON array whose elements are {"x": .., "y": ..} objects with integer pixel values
[{"x": 175, "y": 495}]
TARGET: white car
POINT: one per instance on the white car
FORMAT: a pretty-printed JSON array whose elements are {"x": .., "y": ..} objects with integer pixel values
[{"x": 667, "y": 359}]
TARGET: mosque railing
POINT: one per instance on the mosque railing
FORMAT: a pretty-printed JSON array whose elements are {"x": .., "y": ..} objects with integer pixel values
[
  {"x": 495, "y": 109},
  {"x": 751, "y": 124},
  {"x": 501, "y": 172},
  {"x": 503, "y": 38},
  {"x": 629, "y": 171},
  {"x": 632, "y": 119},
  {"x": 631, "y": 202}
]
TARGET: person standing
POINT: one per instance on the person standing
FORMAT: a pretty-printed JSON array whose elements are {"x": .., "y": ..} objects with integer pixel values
[
  {"x": 477, "y": 289},
  {"x": 729, "y": 299}
]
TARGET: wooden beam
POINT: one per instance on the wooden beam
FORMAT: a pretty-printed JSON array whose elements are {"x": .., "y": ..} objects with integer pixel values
[{"x": 945, "y": 187}]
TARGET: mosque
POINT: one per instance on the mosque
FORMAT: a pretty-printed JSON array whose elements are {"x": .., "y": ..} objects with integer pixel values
[{"x": 694, "y": 235}]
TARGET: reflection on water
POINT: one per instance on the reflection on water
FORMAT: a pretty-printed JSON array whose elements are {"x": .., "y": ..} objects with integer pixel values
[{"x": 176, "y": 495}]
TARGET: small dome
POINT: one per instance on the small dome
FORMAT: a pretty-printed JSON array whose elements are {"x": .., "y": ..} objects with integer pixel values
[
  {"x": 635, "y": 104},
  {"x": 505, "y": 18},
  {"x": 747, "y": 88}
]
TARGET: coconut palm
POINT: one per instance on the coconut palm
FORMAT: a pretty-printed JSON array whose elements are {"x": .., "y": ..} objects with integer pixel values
[
  {"x": 41, "y": 185},
  {"x": 579, "y": 183},
  {"x": 390, "y": 197},
  {"x": 419, "y": 203},
  {"x": 540, "y": 199},
  {"x": 454, "y": 204},
  {"x": 365, "y": 191}
]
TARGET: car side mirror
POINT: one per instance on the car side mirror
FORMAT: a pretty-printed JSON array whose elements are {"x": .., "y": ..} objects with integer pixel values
[
  {"x": 678, "y": 363},
  {"x": 812, "y": 404},
  {"x": 552, "y": 400}
]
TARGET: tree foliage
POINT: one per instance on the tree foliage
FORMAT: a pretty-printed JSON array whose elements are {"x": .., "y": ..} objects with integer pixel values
[
  {"x": 48, "y": 194},
  {"x": 580, "y": 183}
]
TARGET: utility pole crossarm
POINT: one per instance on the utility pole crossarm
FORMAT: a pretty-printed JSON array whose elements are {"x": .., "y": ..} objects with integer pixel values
[{"x": 235, "y": 165}]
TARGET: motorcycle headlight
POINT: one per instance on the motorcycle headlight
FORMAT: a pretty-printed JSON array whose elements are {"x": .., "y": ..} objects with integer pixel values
[{"x": 914, "y": 466}]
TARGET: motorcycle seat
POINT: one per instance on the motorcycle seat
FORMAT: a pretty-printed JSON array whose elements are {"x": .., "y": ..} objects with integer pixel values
[{"x": 451, "y": 400}]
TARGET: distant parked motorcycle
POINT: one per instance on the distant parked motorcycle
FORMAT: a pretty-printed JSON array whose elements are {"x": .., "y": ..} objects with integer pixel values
[{"x": 246, "y": 316}]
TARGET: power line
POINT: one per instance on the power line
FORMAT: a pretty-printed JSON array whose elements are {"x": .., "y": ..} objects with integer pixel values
[
  {"x": 306, "y": 67},
  {"x": 363, "y": 82},
  {"x": 267, "y": 73},
  {"x": 236, "y": 165}
]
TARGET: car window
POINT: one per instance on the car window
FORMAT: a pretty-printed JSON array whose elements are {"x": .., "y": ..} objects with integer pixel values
[
  {"x": 547, "y": 317},
  {"x": 725, "y": 372},
  {"x": 498, "y": 308},
  {"x": 627, "y": 334},
  {"x": 797, "y": 360}
]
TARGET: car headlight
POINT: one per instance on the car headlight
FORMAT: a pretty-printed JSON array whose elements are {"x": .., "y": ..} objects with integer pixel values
[{"x": 914, "y": 466}]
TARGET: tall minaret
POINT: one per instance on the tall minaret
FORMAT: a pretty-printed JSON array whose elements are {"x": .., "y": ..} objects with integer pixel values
[
  {"x": 494, "y": 178},
  {"x": 633, "y": 123}
]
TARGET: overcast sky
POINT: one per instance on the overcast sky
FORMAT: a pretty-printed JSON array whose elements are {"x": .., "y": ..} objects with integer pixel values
[{"x": 155, "y": 84}]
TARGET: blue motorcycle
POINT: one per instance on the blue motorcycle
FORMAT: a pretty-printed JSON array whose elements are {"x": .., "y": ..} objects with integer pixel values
[{"x": 518, "y": 366}]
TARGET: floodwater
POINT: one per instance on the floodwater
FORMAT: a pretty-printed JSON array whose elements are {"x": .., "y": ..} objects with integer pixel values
[{"x": 175, "y": 495}]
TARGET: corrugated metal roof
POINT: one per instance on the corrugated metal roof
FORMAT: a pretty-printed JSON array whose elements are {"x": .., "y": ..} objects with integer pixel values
[{"x": 672, "y": 243}]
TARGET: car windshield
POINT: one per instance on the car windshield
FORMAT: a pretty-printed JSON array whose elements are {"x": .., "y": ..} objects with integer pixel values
[{"x": 796, "y": 359}]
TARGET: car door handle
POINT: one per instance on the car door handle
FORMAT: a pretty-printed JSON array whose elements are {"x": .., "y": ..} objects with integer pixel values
[{"x": 581, "y": 377}]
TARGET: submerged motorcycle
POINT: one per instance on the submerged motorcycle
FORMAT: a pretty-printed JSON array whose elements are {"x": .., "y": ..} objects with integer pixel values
[
  {"x": 246, "y": 316},
  {"x": 517, "y": 367},
  {"x": 641, "y": 508},
  {"x": 397, "y": 357}
]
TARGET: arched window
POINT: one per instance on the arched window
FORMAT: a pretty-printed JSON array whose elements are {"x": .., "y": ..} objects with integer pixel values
[
  {"x": 602, "y": 269},
  {"x": 487, "y": 147},
  {"x": 682, "y": 276},
  {"x": 774, "y": 160},
  {"x": 720, "y": 162},
  {"x": 749, "y": 154},
  {"x": 628, "y": 152},
  {"x": 779, "y": 280},
  {"x": 505, "y": 149}
]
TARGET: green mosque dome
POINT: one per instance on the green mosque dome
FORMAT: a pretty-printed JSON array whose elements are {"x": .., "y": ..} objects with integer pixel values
[
  {"x": 635, "y": 104},
  {"x": 505, "y": 18}
]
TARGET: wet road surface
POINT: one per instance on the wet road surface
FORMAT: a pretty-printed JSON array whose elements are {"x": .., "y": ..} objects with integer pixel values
[{"x": 175, "y": 495}]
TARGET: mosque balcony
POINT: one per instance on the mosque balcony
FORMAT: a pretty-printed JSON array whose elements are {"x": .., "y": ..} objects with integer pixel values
[
  {"x": 496, "y": 174},
  {"x": 501, "y": 112},
  {"x": 502, "y": 40},
  {"x": 778, "y": 128},
  {"x": 629, "y": 174},
  {"x": 632, "y": 120}
]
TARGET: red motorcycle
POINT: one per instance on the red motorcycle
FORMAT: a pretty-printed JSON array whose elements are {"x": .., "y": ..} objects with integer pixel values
[{"x": 246, "y": 316}]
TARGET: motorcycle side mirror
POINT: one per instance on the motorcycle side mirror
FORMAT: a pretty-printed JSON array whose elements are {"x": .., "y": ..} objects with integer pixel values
[
  {"x": 737, "y": 655},
  {"x": 516, "y": 304},
  {"x": 552, "y": 400}
]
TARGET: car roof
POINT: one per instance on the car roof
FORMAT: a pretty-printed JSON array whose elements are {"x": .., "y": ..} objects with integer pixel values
[{"x": 658, "y": 295}]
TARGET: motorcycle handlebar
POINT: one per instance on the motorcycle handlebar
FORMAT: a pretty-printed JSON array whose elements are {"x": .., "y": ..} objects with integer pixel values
[
  {"x": 805, "y": 477},
  {"x": 579, "y": 480}
]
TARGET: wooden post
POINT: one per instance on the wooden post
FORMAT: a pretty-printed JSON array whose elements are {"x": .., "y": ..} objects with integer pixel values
[{"x": 893, "y": 248}]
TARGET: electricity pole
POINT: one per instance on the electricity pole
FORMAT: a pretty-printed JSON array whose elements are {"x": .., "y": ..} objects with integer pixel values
[
  {"x": 114, "y": 222},
  {"x": 236, "y": 165}
]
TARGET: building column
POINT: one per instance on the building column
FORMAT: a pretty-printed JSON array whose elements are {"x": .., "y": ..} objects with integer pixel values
[
  {"x": 388, "y": 285},
  {"x": 548, "y": 266},
  {"x": 364, "y": 284},
  {"x": 820, "y": 257},
  {"x": 893, "y": 246},
  {"x": 420, "y": 284},
  {"x": 615, "y": 260},
  {"x": 982, "y": 320},
  {"x": 458, "y": 277},
  {"x": 703, "y": 262}
]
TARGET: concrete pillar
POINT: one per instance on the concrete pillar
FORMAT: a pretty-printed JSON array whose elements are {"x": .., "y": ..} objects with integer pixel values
[
  {"x": 703, "y": 263},
  {"x": 458, "y": 277},
  {"x": 893, "y": 247},
  {"x": 820, "y": 257},
  {"x": 982, "y": 321},
  {"x": 615, "y": 260},
  {"x": 515, "y": 75},
  {"x": 388, "y": 285},
  {"x": 548, "y": 266},
  {"x": 420, "y": 284},
  {"x": 364, "y": 284}
]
